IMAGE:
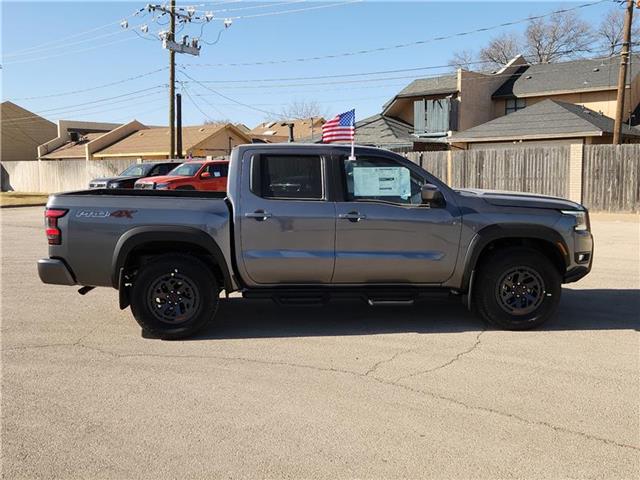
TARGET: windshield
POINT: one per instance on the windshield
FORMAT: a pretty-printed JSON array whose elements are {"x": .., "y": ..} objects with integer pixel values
[
  {"x": 186, "y": 170},
  {"x": 136, "y": 170}
]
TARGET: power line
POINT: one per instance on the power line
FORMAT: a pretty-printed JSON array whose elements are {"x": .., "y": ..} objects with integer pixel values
[
  {"x": 75, "y": 35},
  {"x": 69, "y": 52},
  {"x": 489, "y": 77},
  {"x": 401, "y": 45},
  {"x": 226, "y": 97},
  {"x": 359, "y": 74},
  {"x": 297, "y": 10},
  {"x": 186, "y": 90},
  {"x": 71, "y": 108},
  {"x": 253, "y": 7},
  {"x": 89, "y": 89}
]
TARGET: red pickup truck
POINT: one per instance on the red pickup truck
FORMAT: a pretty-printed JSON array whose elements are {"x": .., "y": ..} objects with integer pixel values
[{"x": 193, "y": 175}]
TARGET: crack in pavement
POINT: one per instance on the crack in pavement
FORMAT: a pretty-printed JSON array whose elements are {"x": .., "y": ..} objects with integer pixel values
[
  {"x": 365, "y": 376},
  {"x": 77, "y": 343},
  {"x": 376, "y": 365},
  {"x": 457, "y": 357}
]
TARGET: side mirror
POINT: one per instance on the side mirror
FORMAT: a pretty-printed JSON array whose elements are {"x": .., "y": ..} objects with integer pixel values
[
  {"x": 205, "y": 175},
  {"x": 431, "y": 195}
]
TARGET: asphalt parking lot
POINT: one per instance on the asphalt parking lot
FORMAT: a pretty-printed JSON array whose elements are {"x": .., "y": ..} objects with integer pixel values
[{"x": 343, "y": 391}]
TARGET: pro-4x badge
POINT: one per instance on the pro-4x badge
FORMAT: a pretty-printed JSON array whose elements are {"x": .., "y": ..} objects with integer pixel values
[{"x": 105, "y": 213}]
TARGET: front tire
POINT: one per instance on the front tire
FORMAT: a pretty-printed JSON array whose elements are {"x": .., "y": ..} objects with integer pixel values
[
  {"x": 174, "y": 296},
  {"x": 516, "y": 289}
]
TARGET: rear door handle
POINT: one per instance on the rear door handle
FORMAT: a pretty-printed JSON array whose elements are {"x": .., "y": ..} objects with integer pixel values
[
  {"x": 259, "y": 215},
  {"x": 352, "y": 216}
]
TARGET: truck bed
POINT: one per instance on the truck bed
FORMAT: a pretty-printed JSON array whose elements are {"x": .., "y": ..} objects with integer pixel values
[{"x": 146, "y": 193}]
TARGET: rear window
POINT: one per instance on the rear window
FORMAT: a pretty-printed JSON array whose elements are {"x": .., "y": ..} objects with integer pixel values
[
  {"x": 288, "y": 177},
  {"x": 186, "y": 170}
]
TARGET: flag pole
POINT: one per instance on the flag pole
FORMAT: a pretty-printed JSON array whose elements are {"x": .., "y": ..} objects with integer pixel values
[{"x": 353, "y": 139}]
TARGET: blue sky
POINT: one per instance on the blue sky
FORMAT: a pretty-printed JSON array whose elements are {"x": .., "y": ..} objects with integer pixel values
[{"x": 110, "y": 54}]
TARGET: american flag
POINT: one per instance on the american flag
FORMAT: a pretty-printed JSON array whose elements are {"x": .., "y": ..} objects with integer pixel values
[{"x": 341, "y": 128}]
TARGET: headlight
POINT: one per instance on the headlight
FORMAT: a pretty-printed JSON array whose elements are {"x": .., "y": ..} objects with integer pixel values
[
  {"x": 113, "y": 185},
  {"x": 162, "y": 186},
  {"x": 582, "y": 221}
]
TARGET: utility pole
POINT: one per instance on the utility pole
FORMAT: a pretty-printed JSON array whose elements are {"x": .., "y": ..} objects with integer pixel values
[
  {"x": 622, "y": 74},
  {"x": 172, "y": 82},
  {"x": 191, "y": 47},
  {"x": 179, "y": 125}
]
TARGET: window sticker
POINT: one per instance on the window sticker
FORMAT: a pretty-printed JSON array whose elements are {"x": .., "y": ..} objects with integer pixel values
[{"x": 381, "y": 182}]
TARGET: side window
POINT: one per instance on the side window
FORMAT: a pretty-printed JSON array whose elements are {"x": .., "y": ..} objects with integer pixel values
[
  {"x": 381, "y": 179},
  {"x": 288, "y": 177},
  {"x": 218, "y": 170},
  {"x": 159, "y": 170}
]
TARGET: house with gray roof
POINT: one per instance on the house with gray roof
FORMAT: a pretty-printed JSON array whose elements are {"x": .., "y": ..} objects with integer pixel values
[
  {"x": 431, "y": 108},
  {"x": 546, "y": 122},
  {"x": 588, "y": 82},
  {"x": 560, "y": 103}
]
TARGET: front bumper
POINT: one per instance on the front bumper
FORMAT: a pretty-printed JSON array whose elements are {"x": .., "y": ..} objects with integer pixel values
[
  {"x": 582, "y": 257},
  {"x": 54, "y": 270}
]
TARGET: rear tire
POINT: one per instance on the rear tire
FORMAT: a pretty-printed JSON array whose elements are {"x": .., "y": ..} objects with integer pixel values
[
  {"x": 516, "y": 289},
  {"x": 174, "y": 296}
]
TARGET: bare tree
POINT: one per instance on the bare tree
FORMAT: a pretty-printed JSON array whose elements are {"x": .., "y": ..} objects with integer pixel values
[
  {"x": 463, "y": 59},
  {"x": 609, "y": 32},
  {"x": 501, "y": 49},
  {"x": 299, "y": 109},
  {"x": 558, "y": 37},
  {"x": 217, "y": 121}
]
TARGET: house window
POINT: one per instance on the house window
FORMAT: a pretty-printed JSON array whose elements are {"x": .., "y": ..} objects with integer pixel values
[{"x": 514, "y": 104}]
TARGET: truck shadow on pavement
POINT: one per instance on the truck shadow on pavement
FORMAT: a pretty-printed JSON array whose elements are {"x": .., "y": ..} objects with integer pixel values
[{"x": 596, "y": 309}]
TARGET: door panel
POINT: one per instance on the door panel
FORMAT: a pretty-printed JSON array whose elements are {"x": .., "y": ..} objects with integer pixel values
[
  {"x": 286, "y": 239},
  {"x": 383, "y": 232},
  {"x": 395, "y": 244}
]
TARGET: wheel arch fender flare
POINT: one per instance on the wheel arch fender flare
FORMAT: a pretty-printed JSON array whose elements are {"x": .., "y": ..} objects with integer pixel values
[
  {"x": 139, "y": 236},
  {"x": 498, "y": 231}
]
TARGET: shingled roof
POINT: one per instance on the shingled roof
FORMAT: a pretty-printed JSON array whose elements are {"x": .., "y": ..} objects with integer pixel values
[
  {"x": 424, "y": 87},
  {"x": 574, "y": 76},
  {"x": 543, "y": 120},
  {"x": 380, "y": 130},
  {"x": 72, "y": 149},
  {"x": 431, "y": 86}
]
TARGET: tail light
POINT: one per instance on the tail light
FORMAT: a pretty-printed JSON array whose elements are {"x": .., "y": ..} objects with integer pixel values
[{"x": 51, "y": 216}]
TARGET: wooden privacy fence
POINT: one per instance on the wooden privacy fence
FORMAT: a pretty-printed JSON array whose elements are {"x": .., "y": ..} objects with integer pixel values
[
  {"x": 611, "y": 177},
  {"x": 542, "y": 170},
  {"x": 602, "y": 177}
]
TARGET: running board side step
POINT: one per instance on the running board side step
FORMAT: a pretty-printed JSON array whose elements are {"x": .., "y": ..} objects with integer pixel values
[
  {"x": 390, "y": 303},
  {"x": 374, "y": 296}
]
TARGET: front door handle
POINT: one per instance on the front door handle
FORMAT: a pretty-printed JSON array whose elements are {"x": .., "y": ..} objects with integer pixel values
[
  {"x": 259, "y": 215},
  {"x": 352, "y": 216}
]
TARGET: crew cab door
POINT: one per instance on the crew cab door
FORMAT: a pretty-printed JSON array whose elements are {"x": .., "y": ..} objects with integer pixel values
[
  {"x": 384, "y": 234},
  {"x": 287, "y": 225}
]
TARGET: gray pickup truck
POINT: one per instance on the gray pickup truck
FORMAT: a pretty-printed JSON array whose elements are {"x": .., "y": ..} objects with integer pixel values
[{"x": 301, "y": 224}]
